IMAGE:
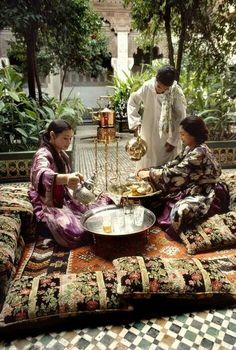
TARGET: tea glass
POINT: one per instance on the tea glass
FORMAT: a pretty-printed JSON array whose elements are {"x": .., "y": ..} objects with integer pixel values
[
  {"x": 138, "y": 215},
  {"x": 107, "y": 223}
]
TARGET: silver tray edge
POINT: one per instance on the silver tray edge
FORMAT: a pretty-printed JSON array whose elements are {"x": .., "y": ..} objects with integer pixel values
[{"x": 93, "y": 211}]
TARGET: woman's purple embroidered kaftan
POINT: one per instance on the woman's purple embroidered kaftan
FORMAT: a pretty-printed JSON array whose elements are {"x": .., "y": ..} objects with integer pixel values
[{"x": 54, "y": 204}]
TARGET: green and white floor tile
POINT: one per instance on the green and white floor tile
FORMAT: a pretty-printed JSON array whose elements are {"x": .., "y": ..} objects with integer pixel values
[{"x": 210, "y": 330}]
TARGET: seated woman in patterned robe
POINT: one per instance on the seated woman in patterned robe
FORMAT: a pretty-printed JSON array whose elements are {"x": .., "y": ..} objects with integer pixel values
[
  {"x": 52, "y": 185},
  {"x": 190, "y": 185}
]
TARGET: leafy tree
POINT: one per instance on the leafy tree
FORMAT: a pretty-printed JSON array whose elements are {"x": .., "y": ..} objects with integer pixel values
[
  {"x": 211, "y": 42},
  {"x": 68, "y": 31},
  {"x": 25, "y": 19},
  {"x": 83, "y": 49},
  {"x": 202, "y": 28}
]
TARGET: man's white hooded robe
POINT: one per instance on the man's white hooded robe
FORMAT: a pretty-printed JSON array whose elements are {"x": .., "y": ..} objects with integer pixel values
[{"x": 160, "y": 122}]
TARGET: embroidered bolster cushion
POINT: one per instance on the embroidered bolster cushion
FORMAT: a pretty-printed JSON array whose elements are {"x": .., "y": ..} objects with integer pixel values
[
  {"x": 230, "y": 180},
  {"x": 137, "y": 275},
  {"x": 219, "y": 231},
  {"x": 49, "y": 297},
  {"x": 11, "y": 247},
  {"x": 15, "y": 200}
]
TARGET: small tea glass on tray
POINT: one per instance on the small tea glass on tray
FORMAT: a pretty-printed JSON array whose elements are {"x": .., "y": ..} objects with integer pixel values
[
  {"x": 138, "y": 215},
  {"x": 107, "y": 223},
  {"x": 118, "y": 222}
]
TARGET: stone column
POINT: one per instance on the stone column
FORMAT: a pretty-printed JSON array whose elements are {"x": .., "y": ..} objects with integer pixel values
[
  {"x": 122, "y": 63},
  {"x": 54, "y": 85}
]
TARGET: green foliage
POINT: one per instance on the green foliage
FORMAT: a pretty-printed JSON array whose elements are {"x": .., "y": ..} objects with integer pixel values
[
  {"x": 202, "y": 31},
  {"x": 45, "y": 59},
  {"x": 230, "y": 81},
  {"x": 71, "y": 110},
  {"x": 211, "y": 38},
  {"x": 211, "y": 101},
  {"x": 22, "y": 118},
  {"x": 64, "y": 34},
  {"x": 74, "y": 37}
]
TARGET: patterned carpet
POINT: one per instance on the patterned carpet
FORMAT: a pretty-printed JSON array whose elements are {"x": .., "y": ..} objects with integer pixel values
[
  {"x": 46, "y": 257},
  {"x": 213, "y": 329}
]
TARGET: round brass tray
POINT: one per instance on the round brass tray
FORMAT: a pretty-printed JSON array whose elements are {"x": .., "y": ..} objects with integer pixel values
[
  {"x": 142, "y": 195},
  {"x": 130, "y": 196},
  {"x": 92, "y": 221}
]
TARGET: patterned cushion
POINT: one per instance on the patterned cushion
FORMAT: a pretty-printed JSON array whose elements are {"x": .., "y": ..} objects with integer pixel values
[
  {"x": 60, "y": 296},
  {"x": 139, "y": 276},
  {"x": 219, "y": 231},
  {"x": 14, "y": 199},
  {"x": 230, "y": 180},
  {"x": 11, "y": 247}
]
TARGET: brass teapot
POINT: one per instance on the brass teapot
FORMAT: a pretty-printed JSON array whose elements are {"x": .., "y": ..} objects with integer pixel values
[
  {"x": 136, "y": 148},
  {"x": 84, "y": 193}
]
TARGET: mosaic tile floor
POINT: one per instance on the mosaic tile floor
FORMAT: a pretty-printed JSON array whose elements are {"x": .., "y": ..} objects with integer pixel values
[
  {"x": 210, "y": 330},
  {"x": 213, "y": 330}
]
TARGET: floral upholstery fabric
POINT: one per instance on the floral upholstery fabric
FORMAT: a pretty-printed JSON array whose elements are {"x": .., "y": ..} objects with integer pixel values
[
  {"x": 177, "y": 277},
  {"x": 219, "y": 231},
  {"x": 11, "y": 247},
  {"x": 60, "y": 296},
  {"x": 14, "y": 199},
  {"x": 230, "y": 180}
]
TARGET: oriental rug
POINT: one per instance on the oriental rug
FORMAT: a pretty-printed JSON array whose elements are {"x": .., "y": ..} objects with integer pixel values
[{"x": 46, "y": 257}]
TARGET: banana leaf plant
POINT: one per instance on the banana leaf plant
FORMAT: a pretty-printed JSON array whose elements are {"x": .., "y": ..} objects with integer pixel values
[
  {"x": 213, "y": 103},
  {"x": 22, "y": 119}
]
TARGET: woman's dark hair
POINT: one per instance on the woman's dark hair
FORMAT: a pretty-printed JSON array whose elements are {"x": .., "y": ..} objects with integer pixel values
[
  {"x": 166, "y": 75},
  {"x": 196, "y": 127},
  {"x": 57, "y": 126}
]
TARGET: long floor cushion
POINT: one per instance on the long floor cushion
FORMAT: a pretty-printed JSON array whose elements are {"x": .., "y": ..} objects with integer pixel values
[
  {"x": 49, "y": 298},
  {"x": 11, "y": 248},
  {"x": 14, "y": 199},
  {"x": 179, "y": 278},
  {"x": 34, "y": 301}
]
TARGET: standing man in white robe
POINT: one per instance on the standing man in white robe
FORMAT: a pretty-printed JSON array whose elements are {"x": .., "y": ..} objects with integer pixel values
[{"x": 164, "y": 107}]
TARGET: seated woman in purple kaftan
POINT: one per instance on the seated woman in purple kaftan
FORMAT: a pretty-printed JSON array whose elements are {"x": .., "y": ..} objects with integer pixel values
[
  {"x": 52, "y": 185},
  {"x": 190, "y": 185}
]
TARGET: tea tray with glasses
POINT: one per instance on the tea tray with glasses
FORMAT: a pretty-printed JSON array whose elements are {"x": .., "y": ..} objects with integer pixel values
[
  {"x": 133, "y": 190},
  {"x": 112, "y": 220}
]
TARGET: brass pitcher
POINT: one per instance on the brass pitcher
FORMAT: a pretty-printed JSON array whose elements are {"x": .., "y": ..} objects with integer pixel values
[
  {"x": 84, "y": 193},
  {"x": 136, "y": 147}
]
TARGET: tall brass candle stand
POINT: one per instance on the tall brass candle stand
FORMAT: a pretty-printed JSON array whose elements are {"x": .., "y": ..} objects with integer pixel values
[
  {"x": 107, "y": 161},
  {"x": 96, "y": 159},
  {"x": 106, "y": 165}
]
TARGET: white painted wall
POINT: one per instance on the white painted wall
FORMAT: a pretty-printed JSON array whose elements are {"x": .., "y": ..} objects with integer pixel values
[{"x": 88, "y": 94}]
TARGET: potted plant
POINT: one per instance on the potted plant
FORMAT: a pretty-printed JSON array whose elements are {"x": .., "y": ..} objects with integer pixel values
[{"x": 21, "y": 121}]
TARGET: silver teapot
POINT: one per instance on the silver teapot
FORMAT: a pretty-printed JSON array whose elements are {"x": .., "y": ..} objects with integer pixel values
[
  {"x": 136, "y": 148},
  {"x": 84, "y": 193}
]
